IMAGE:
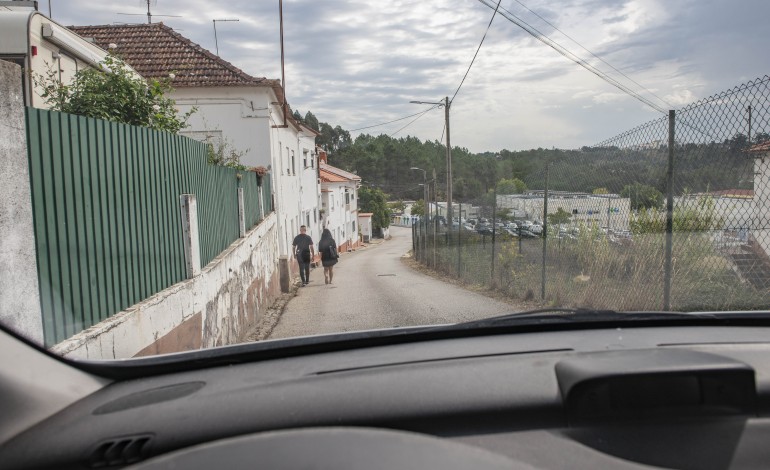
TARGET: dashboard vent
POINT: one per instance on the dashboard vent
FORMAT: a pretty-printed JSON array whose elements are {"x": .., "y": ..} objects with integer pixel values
[{"x": 120, "y": 451}]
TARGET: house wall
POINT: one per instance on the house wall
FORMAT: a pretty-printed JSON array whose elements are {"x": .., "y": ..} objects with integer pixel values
[
  {"x": 250, "y": 121},
  {"x": 341, "y": 218}
]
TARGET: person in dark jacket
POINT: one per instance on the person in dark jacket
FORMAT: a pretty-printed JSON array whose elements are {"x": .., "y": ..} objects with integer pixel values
[
  {"x": 328, "y": 250},
  {"x": 303, "y": 251}
]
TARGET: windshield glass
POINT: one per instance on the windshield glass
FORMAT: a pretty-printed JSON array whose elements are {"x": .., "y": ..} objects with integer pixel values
[{"x": 180, "y": 177}]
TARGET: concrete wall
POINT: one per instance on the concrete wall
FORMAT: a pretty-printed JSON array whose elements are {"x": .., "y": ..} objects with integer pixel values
[
  {"x": 219, "y": 306},
  {"x": 19, "y": 291}
]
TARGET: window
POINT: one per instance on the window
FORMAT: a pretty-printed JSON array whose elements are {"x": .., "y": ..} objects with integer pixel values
[
  {"x": 293, "y": 164},
  {"x": 304, "y": 158}
]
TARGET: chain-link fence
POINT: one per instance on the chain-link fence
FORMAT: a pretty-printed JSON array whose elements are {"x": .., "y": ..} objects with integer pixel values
[{"x": 674, "y": 214}]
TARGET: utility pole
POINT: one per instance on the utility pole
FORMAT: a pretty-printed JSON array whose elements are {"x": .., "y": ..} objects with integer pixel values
[
  {"x": 448, "y": 165},
  {"x": 445, "y": 103}
]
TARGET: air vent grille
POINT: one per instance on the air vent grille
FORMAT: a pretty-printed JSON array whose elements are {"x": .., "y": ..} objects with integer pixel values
[{"x": 120, "y": 451}]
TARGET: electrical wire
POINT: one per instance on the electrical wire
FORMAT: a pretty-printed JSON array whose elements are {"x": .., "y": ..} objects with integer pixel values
[
  {"x": 391, "y": 122},
  {"x": 590, "y": 52},
  {"x": 412, "y": 121},
  {"x": 477, "y": 51},
  {"x": 534, "y": 32}
]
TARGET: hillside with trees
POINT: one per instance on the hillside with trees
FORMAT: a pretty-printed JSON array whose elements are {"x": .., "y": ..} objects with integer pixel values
[{"x": 385, "y": 162}]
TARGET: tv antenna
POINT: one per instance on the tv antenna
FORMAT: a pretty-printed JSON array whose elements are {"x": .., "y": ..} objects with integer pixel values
[
  {"x": 150, "y": 3},
  {"x": 216, "y": 42}
]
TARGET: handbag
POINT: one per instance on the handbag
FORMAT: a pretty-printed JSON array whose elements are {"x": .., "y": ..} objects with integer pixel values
[{"x": 333, "y": 252}]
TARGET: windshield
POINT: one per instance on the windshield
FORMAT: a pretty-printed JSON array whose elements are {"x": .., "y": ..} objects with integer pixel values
[{"x": 182, "y": 175}]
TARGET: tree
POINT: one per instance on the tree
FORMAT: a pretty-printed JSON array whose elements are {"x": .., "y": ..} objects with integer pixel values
[
  {"x": 418, "y": 208},
  {"x": 374, "y": 200},
  {"x": 511, "y": 186},
  {"x": 112, "y": 92},
  {"x": 701, "y": 218},
  {"x": 600, "y": 191},
  {"x": 311, "y": 120},
  {"x": 642, "y": 196},
  {"x": 397, "y": 206},
  {"x": 559, "y": 217}
]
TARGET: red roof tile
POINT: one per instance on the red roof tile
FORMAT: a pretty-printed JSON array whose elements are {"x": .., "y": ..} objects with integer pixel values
[
  {"x": 329, "y": 177},
  {"x": 333, "y": 170},
  {"x": 155, "y": 51}
]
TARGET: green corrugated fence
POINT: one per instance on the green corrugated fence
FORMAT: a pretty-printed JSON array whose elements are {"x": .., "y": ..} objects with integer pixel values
[{"x": 107, "y": 217}]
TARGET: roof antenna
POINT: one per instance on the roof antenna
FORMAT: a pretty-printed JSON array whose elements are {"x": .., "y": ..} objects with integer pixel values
[
  {"x": 149, "y": 12},
  {"x": 216, "y": 43}
]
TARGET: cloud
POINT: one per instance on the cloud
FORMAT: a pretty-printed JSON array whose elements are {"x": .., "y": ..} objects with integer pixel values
[{"x": 360, "y": 62}]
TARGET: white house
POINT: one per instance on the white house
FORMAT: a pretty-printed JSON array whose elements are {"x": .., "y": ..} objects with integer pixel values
[
  {"x": 339, "y": 202},
  {"x": 39, "y": 44},
  {"x": 245, "y": 114}
]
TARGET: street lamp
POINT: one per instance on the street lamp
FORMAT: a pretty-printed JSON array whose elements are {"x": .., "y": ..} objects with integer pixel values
[
  {"x": 446, "y": 104},
  {"x": 424, "y": 184}
]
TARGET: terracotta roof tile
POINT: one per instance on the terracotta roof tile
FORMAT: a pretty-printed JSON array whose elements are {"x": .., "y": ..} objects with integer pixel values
[
  {"x": 347, "y": 176},
  {"x": 155, "y": 51},
  {"x": 329, "y": 177}
]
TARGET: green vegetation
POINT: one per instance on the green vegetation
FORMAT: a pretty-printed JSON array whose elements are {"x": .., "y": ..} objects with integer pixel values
[
  {"x": 113, "y": 93},
  {"x": 642, "y": 196},
  {"x": 374, "y": 200}
]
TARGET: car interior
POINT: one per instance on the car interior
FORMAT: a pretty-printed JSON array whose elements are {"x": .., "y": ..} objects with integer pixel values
[{"x": 652, "y": 394}]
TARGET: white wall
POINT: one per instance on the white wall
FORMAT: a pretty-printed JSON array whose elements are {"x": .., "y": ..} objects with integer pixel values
[
  {"x": 341, "y": 218},
  {"x": 250, "y": 121},
  {"x": 219, "y": 306}
]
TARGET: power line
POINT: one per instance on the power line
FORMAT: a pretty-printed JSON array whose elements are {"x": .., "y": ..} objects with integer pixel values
[
  {"x": 534, "y": 32},
  {"x": 590, "y": 52},
  {"x": 391, "y": 122},
  {"x": 477, "y": 50},
  {"x": 412, "y": 121}
]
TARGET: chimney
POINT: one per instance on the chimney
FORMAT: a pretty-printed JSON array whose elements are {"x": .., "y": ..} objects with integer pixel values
[{"x": 322, "y": 158}]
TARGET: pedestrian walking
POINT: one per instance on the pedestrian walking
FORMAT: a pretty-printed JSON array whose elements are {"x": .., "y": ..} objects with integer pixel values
[
  {"x": 303, "y": 251},
  {"x": 327, "y": 247}
]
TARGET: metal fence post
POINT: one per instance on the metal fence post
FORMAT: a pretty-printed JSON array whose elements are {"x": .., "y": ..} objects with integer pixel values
[
  {"x": 459, "y": 243},
  {"x": 545, "y": 231},
  {"x": 669, "y": 212}
]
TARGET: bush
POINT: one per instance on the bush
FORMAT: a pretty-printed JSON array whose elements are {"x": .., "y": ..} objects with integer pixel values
[{"x": 112, "y": 92}]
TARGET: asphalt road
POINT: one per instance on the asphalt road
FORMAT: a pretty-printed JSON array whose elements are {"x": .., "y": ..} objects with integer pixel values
[{"x": 374, "y": 288}]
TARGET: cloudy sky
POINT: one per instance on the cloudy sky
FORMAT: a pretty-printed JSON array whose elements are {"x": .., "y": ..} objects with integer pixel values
[{"x": 358, "y": 63}]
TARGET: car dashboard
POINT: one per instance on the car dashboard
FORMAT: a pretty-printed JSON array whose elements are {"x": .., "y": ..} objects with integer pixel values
[{"x": 626, "y": 398}]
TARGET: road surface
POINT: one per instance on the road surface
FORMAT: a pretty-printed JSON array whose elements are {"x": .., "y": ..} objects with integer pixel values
[{"x": 374, "y": 288}]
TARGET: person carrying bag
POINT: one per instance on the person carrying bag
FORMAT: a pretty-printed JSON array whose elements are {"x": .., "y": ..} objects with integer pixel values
[{"x": 329, "y": 255}]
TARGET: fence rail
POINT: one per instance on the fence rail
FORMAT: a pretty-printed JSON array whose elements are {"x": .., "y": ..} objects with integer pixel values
[
  {"x": 107, "y": 219},
  {"x": 673, "y": 214}
]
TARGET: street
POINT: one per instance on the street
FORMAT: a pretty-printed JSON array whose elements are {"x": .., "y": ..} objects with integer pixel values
[{"x": 374, "y": 288}]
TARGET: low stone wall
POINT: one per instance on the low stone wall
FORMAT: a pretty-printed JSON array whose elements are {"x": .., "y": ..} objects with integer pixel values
[{"x": 219, "y": 306}]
